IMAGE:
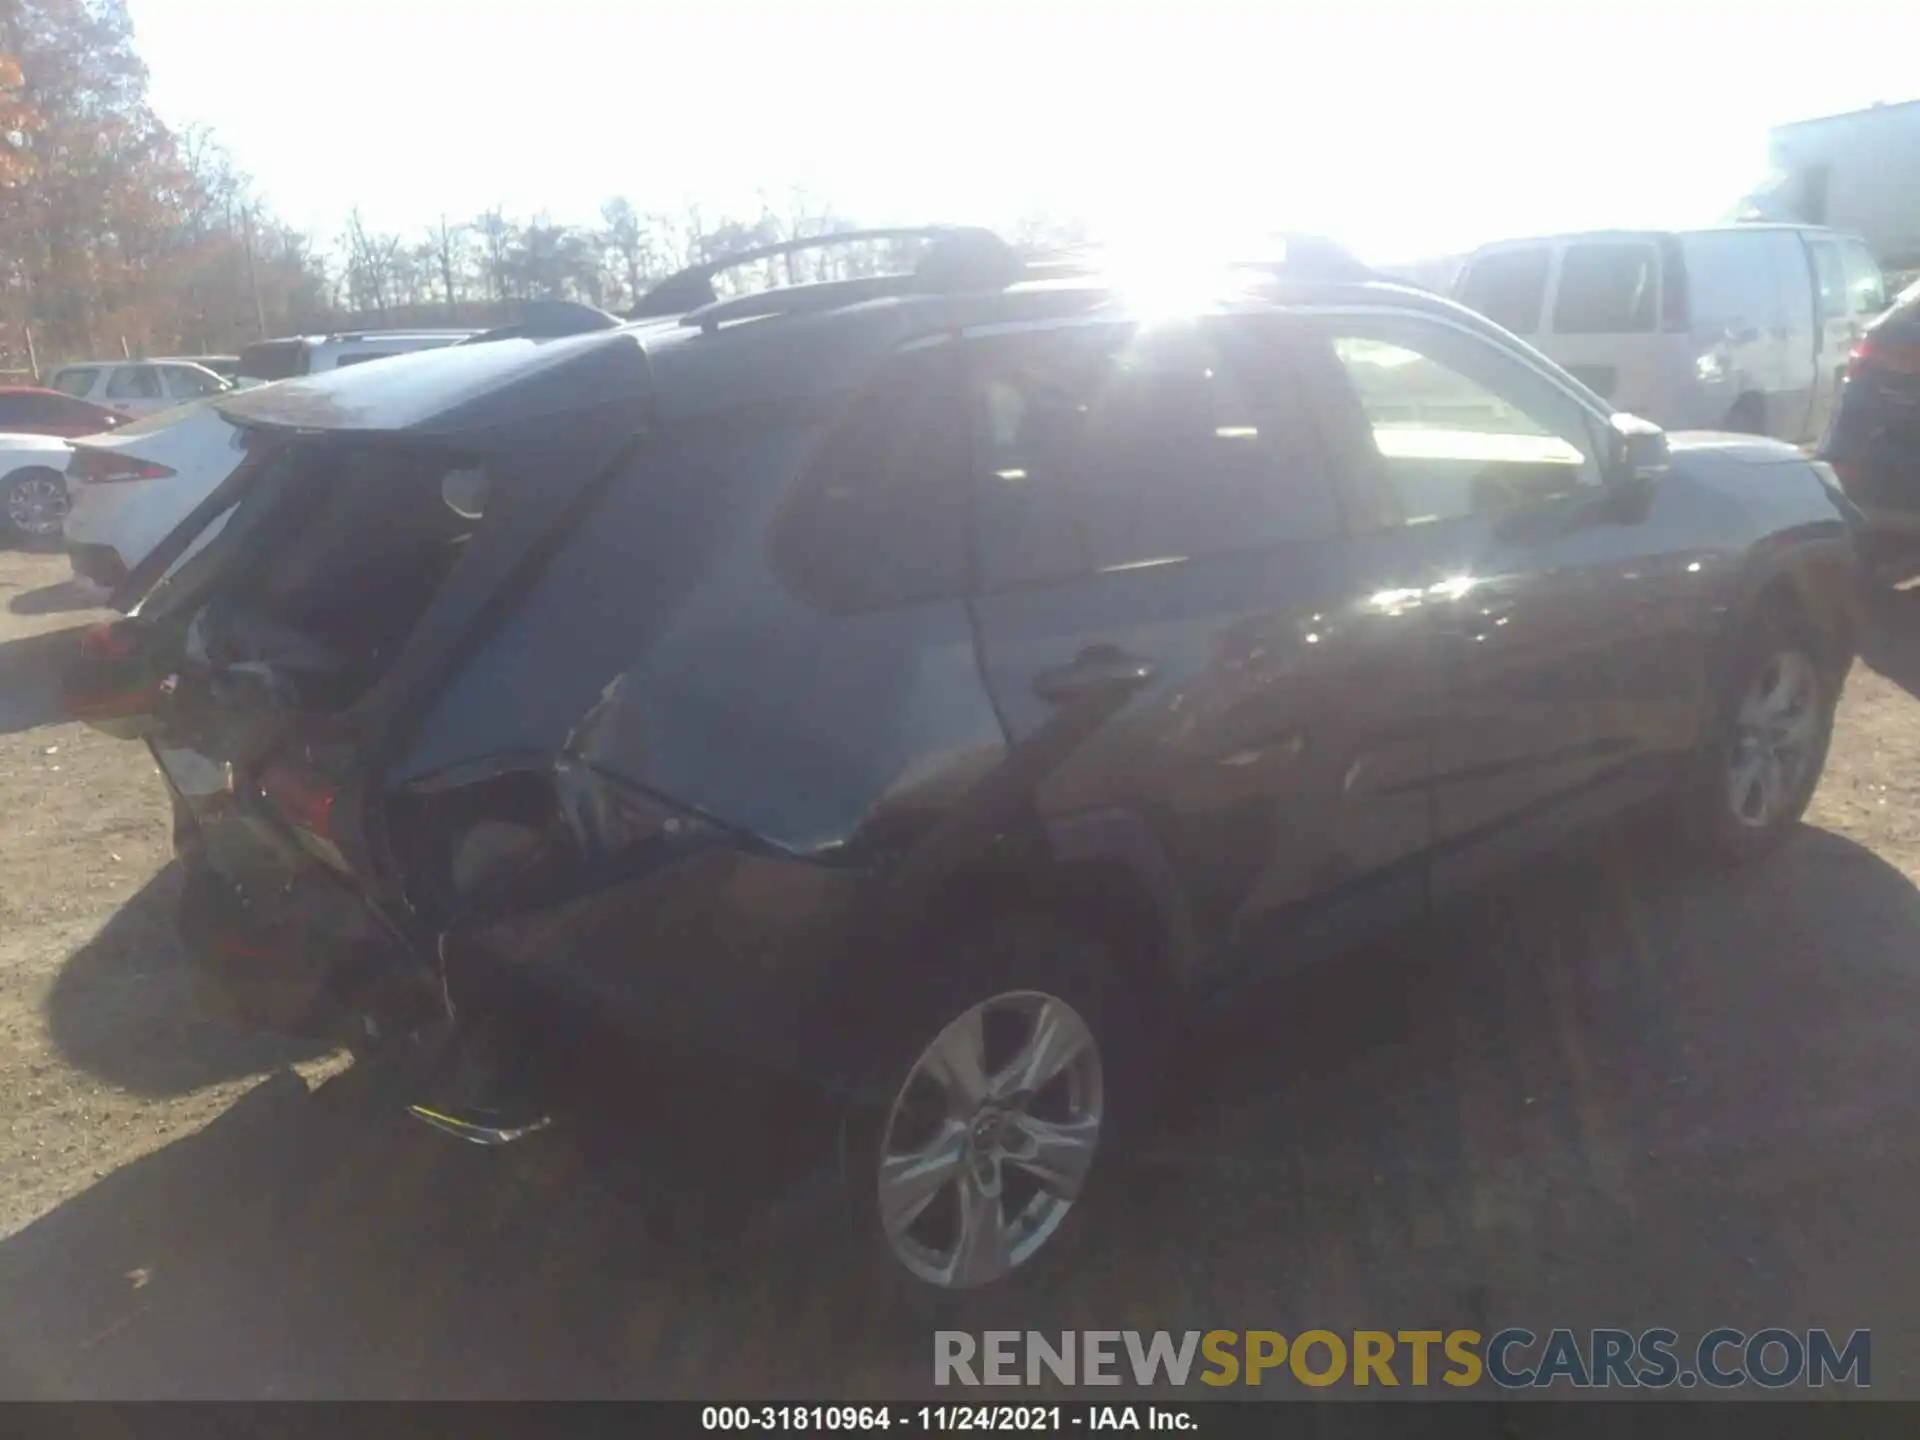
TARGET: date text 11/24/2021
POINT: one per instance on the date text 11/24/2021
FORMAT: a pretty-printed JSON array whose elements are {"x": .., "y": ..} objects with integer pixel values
[{"x": 945, "y": 1419}]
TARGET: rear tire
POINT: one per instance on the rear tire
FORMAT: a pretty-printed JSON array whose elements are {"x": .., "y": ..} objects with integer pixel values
[
  {"x": 1040, "y": 1006},
  {"x": 33, "y": 506},
  {"x": 1772, "y": 727}
]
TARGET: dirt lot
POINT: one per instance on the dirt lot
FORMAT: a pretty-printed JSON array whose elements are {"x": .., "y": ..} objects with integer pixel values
[{"x": 1624, "y": 1099}]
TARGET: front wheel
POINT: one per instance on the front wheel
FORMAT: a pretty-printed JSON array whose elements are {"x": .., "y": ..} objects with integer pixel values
[
  {"x": 1769, "y": 747},
  {"x": 34, "y": 502}
]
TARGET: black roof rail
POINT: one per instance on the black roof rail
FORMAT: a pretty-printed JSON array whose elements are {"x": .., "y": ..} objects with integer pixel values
[
  {"x": 961, "y": 257},
  {"x": 549, "y": 320}
]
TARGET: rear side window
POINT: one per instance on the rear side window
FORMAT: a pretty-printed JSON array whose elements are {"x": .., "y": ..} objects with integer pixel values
[
  {"x": 1100, "y": 448},
  {"x": 879, "y": 517},
  {"x": 75, "y": 380},
  {"x": 1607, "y": 288},
  {"x": 1509, "y": 287},
  {"x": 133, "y": 382}
]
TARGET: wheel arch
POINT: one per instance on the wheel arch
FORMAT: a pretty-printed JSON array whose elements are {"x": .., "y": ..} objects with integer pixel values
[
  {"x": 1810, "y": 584},
  {"x": 1105, "y": 871}
]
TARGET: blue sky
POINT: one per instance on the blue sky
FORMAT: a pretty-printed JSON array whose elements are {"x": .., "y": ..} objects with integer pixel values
[{"x": 1403, "y": 129}]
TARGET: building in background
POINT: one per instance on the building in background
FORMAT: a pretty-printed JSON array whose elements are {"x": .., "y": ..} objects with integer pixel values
[{"x": 1858, "y": 172}]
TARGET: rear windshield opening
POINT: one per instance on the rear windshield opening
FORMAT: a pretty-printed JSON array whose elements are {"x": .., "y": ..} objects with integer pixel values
[
  {"x": 273, "y": 360},
  {"x": 334, "y": 580}
]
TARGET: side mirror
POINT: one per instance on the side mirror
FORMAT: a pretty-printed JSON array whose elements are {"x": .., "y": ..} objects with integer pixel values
[{"x": 1637, "y": 459}]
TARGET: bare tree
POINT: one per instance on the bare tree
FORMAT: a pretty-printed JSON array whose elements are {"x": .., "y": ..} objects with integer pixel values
[
  {"x": 497, "y": 240},
  {"x": 448, "y": 246},
  {"x": 373, "y": 265},
  {"x": 625, "y": 237}
]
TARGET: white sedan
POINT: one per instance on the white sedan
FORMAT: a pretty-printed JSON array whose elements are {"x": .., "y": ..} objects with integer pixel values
[
  {"x": 128, "y": 488},
  {"x": 33, "y": 490}
]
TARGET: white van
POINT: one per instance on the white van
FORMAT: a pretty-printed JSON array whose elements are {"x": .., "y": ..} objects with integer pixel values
[
  {"x": 1742, "y": 327},
  {"x": 271, "y": 360}
]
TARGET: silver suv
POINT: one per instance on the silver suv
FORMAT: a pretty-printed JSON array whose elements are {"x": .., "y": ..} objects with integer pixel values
[{"x": 137, "y": 387}]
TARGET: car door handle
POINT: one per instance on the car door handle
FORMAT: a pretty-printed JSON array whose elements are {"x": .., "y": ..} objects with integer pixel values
[{"x": 1097, "y": 670}]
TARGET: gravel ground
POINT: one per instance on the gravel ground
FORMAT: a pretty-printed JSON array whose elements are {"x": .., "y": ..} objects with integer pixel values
[{"x": 1622, "y": 1098}]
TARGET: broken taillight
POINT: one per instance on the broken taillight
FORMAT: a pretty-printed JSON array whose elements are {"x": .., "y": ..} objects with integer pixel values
[{"x": 104, "y": 467}]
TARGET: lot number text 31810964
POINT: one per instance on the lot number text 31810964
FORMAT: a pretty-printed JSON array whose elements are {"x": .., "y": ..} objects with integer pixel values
[{"x": 944, "y": 1419}]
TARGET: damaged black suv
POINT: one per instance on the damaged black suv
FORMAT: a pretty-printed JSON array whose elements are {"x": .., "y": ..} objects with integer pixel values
[{"x": 924, "y": 688}]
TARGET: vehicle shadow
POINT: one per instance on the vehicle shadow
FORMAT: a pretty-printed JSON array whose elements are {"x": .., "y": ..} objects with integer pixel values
[
  {"x": 125, "y": 1010},
  {"x": 1890, "y": 637},
  {"x": 1612, "y": 1094},
  {"x": 30, "y": 678},
  {"x": 58, "y": 599}
]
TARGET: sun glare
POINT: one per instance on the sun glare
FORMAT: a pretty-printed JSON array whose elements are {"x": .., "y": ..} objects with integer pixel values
[{"x": 1167, "y": 276}]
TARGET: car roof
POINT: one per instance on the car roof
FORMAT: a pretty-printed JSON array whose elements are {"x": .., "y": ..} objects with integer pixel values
[
  {"x": 680, "y": 368},
  {"x": 348, "y": 337},
  {"x": 687, "y": 349},
  {"x": 1741, "y": 227},
  {"x": 144, "y": 360}
]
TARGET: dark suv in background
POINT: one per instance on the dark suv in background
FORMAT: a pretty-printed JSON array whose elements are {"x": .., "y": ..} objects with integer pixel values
[
  {"x": 1873, "y": 438},
  {"x": 921, "y": 689}
]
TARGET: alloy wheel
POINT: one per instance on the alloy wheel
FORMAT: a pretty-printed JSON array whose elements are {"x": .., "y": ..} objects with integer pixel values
[
  {"x": 990, "y": 1140},
  {"x": 37, "y": 505},
  {"x": 1776, "y": 730}
]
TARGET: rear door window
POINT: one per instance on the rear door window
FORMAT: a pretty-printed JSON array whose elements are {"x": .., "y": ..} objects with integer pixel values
[
  {"x": 1102, "y": 448},
  {"x": 133, "y": 382},
  {"x": 1608, "y": 288},
  {"x": 187, "y": 382},
  {"x": 879, "y": 517},
  {"x": 1509, "y": 287}
]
